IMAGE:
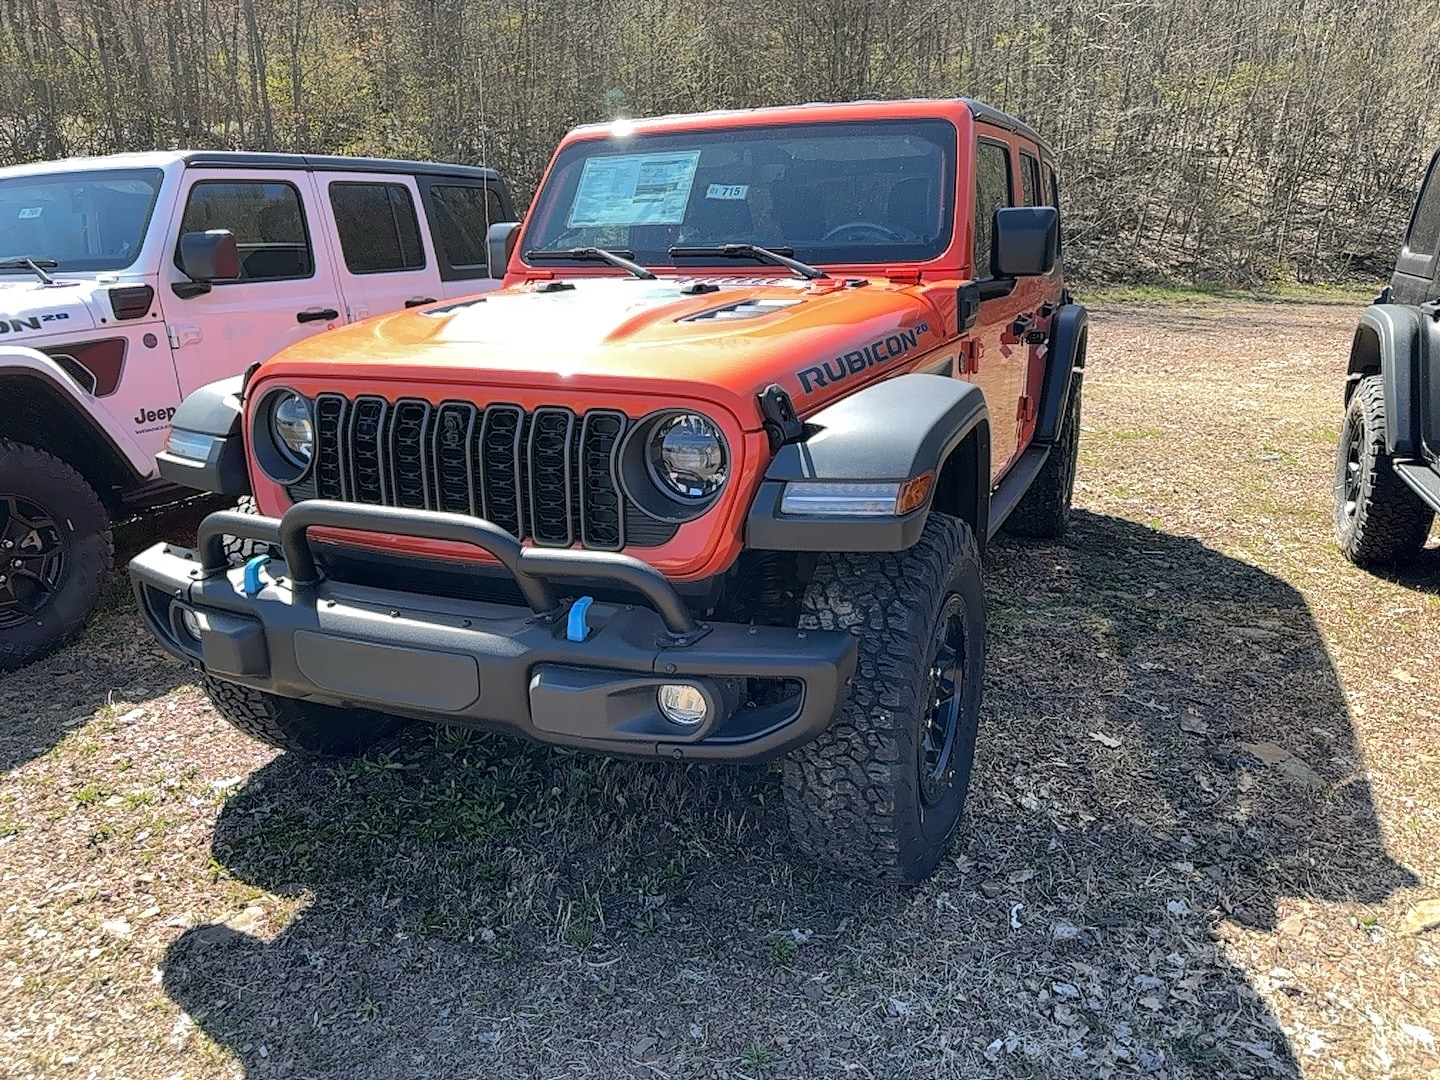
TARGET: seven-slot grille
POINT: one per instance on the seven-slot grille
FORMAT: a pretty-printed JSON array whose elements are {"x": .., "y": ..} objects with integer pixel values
[{"x": 548, "y": 475}]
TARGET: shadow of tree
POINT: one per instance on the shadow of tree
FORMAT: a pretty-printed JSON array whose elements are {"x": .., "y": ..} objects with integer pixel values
[{"x": 1165, "y": 749}]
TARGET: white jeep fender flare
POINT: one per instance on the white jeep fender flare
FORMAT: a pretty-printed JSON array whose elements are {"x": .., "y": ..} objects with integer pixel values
[{"x": 19, "y": 364}]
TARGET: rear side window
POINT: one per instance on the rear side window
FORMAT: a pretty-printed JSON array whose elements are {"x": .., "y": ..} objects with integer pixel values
[
  {"x": 1030, "y": 179},
  {"x": 1425, "y": 225},
  {"x": 379, "y": 231},
  {"x": 992, "y": 191},
  {"x": 267, "y": 219},
  {"x": 463, "y": 214},
  {"x": 1052, "y": 187}
]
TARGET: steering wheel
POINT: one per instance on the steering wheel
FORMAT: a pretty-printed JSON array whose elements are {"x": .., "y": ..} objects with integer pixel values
[{"x": 874, "y": 227}]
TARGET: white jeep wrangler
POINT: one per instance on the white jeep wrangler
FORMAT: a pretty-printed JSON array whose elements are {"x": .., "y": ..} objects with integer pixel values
[{"x": 128, "y": 281}]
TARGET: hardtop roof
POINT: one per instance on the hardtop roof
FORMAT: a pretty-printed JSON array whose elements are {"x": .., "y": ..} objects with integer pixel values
[{"x": 245, "y": 159}]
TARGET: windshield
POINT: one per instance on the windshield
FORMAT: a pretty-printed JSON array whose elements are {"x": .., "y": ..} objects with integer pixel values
[
  {"x": 81, "y": 220},
  {"x": 877, "y": 192}
]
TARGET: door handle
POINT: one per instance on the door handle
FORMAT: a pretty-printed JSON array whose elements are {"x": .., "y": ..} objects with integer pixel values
[
  {"x": 416, "y": 301},
  {"x": 1021, "y": 324},
  {"x": 316, "y": 314}
]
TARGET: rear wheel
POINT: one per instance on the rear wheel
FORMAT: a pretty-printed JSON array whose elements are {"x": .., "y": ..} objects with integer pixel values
[
  {"x": 1044, "y": 511},
  {"x": 304, "y": 727},
  {"x": 1379, "y": 521},
  {"x": 56, "y": 553},
  {"x": 881, "y": 792}
]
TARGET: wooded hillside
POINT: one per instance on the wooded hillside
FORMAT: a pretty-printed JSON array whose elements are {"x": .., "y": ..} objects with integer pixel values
[{"x": 1200, "y": 140}]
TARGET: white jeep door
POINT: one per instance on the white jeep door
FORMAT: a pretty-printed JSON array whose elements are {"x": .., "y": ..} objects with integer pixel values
[
  {"x": 287, "y": 288},
  {"x": 385, "y": 261}
]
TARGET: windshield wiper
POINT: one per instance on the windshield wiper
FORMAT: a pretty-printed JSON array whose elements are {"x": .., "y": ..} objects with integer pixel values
[
  {"x": 622, "y": 259},
  {"x": 35, "y": 266},
  {"x": 773, "y": 256}
]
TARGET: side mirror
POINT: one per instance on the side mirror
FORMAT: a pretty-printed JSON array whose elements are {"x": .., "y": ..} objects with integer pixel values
[
  {"x": 210, "y": 256},
  {"x": 1027, "y": 240},
  {"x": 500, "y": 244}
]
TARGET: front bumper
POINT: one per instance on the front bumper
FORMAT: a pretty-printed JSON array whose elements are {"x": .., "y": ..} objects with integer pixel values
[{"x": 294, "y": 633}]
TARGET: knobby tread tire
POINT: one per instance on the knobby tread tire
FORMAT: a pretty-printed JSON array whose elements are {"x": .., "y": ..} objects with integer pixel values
[
  {"x": 301, "y": 727},
  {"x": 1390, "y": 522},
  {"x": 240, "y": 550},
  {"x": 73, "y": 503},
  {"x": 853, "y": 795},
  {"x": 1044, "y": 511}
]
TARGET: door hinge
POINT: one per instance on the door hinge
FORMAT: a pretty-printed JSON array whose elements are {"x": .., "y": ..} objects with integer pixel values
[
  {"x": 970, "y": 353},
  {"x": 182, "y": 335},
  {"x": 1026, "y": 412}
]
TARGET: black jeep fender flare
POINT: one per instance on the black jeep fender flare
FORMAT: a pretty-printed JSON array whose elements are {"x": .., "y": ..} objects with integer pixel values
[
  {"x": 1394, "y": 341},
  {"x": 896, "y": 430},
  {"x": 1064, "y": 361},
  {"x": 215, "y": 410}
]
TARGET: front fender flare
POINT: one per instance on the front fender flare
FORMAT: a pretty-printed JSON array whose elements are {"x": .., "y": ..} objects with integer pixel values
[
  {"x": 892, "y": 431},
  {"x": 215, "y": 410}
]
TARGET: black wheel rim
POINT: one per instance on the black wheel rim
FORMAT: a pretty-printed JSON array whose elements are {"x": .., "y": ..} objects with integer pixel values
[
  {"x": 944, "y": 701},
  {"x": 32, "y": 559},
  {"x": 1351, "y": 480}
]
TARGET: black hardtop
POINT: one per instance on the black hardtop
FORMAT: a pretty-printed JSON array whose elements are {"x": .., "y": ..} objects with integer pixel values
[{"x": 245, "y": 159}]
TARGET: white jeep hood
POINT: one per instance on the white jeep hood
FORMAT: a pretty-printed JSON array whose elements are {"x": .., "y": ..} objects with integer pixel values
[{"x": 30, "y": 311}]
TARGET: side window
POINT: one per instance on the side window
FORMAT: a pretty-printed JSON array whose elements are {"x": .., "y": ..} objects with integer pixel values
[
  {"x": 462, "y": 218},
  {"x": 1030, "y": 179},
  {"x": 268, "y": 222},
  {"x": 1052, "y": 187},
  {"x": 993, "y": 190},
  {"x": 379, "y": 231},
  {"x": 1425, "y": 223}
]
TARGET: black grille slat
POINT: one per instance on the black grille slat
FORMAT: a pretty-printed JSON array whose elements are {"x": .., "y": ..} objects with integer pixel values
[
  {"x": 500, "y": 467},
  {"x": 548, "y": 456},
  {"x": 601, "y": 517},
  {"x": 367, "y": 451},
  {"x": 331, "y": 479},
  {"x": 549, "y": 476}
]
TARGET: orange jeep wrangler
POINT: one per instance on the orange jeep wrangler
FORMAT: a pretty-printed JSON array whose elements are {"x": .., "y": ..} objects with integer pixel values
[{"x": 709, "y": 479}]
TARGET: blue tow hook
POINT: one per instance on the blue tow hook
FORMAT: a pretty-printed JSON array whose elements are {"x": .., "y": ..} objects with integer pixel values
[
  {"x": 578, "y": 629},
  {"x": 251, "y": 584}
]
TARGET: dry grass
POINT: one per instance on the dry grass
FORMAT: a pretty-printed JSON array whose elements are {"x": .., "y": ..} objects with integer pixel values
[{"x": 1207, "y": 800}]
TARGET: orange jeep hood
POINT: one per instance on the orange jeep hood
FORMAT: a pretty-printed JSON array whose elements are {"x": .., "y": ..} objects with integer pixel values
[{"x": 596, "y": 335}]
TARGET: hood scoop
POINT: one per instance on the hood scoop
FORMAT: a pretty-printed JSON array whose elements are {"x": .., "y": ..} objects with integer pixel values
[{"x": 742, "y": 309}]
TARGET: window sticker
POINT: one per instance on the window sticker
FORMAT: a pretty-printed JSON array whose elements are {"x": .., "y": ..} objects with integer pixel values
[
  {"x": 634, "y": 189},
  {"x": 727, "y": 191},
  {"x": 30, "y": 212}
]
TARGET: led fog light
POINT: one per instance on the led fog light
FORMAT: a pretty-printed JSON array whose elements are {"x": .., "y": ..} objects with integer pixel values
[
  {"x": 190, "y": 623},
  {"x": 683, "y": 704}
]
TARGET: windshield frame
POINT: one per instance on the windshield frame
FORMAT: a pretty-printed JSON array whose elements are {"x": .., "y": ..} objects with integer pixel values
[
  {"x": 557, "y": 194},
  {"x": 153, "y": 175}
]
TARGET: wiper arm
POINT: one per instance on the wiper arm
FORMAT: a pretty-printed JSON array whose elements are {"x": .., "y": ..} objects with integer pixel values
[
  {"x": 773, "y": 256},
  {"x": 35, "y": 266},
  {"x": 622, "y": 259}
]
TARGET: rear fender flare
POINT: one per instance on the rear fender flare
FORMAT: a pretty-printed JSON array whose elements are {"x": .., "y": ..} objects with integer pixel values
[
  {"x": 1389, "y": 341},
  {"x": 1064, "y": 362}
]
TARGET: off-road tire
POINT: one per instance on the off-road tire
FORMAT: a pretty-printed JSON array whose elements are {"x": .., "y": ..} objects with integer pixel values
[
  {"x": 1379, "y": 521},
  {"x": 303, "y": 727},
  {"x": 1044, "y": 511},
  {"x": 240, "y": 550},
  {"x": 854, "y": 795},
  {"x": 73, "y": 507}
]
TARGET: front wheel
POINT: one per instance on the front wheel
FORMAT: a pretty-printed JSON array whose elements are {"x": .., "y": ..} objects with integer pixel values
[
  {"x": 304, "y": 727},
  {"x": 881, "y": 792},
  {"x": 56, "y": 553}
]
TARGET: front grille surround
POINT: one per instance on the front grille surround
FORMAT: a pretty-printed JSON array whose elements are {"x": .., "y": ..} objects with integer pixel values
[{"x": 550, "y": 475}]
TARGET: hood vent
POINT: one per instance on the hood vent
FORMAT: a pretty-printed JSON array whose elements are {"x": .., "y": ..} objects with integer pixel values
[{"x": 742, "y": 309}]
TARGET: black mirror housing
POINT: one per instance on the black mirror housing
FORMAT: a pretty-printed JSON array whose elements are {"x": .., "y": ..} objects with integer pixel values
[
  {"x": 500, "y": 243},
  {"x": 1027, "y": 240},
  {"x": 210, "y": 256}
]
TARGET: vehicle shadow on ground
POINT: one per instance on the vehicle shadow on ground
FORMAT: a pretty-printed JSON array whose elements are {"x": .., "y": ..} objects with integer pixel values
[
  {"x": 44, "y": 700},
  {"x": 1166, "y": 752}
]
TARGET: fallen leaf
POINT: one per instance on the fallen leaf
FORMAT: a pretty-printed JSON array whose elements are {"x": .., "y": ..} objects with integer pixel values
[
  {"x": 1401, "y": 675},
  {"x": 1194, "y": 725},
  {"x": 1021, "y": 875},
  {"x": 118, "y": 927},
  {"x": 1246, "y": 782},
  {"x": 1178, "y": 907},
  {"x": 1423, "y": 916},
  {"x": 1297, "y": 770},
  {"x": 1268, "y": 752},
  {"x": 1422, "y": 1035},
  {"x": 1105, "y": 740}
]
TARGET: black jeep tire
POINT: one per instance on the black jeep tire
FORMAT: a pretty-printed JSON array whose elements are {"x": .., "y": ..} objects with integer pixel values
[
  {"x": 1044, "y": 511},
  {"x": 303, "y": 727},
  {"x": 55, "y": 527},
  {"x": 881, "y": 792},
  {"x": 1379, "y": 521},
  {"x": 238, "y": 549}
]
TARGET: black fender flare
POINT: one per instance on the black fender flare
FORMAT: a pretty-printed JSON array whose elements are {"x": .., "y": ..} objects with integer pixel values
[
  {"x": 1064, "y": 362},
  {"x": 1393, "y": 341},
  {"x": 891, "y": 431},
  {"x": 216, "y": 411}
]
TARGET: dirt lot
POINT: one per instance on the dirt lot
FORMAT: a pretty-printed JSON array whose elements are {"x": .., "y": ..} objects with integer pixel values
[{"x": 1202, "y": 836}]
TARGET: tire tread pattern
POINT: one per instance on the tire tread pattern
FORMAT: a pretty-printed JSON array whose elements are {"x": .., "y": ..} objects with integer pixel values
[
  {"x": 1391, "y": 522},
  {"x": 300, "y": 727}
]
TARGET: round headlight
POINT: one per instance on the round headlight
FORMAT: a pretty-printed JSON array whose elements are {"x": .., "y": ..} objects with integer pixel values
[
  {"x": 687, "y": 456},
  {"x": 294, "y": 431}
]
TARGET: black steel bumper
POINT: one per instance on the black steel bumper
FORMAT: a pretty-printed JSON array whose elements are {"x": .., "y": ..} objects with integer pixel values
[{"x": 541, "y": 671}]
